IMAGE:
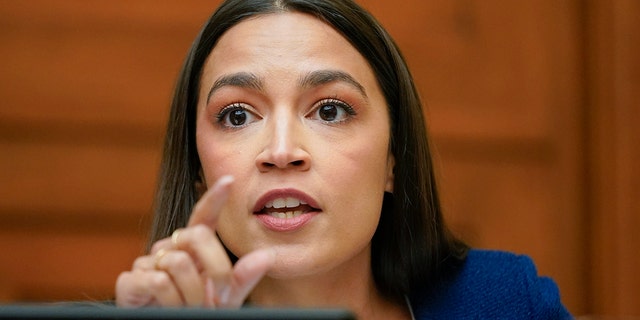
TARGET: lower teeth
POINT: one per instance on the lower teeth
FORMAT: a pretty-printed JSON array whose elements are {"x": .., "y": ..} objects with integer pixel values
[{"x": 285, "y": 215}]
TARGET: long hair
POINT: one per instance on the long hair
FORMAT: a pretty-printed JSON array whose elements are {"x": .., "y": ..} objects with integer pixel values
[{"x": 411, "y": 247}]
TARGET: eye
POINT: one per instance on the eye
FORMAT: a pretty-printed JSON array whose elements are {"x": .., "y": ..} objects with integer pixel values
[
  {"x": 333, "y": 110},
  {"x": 235, "y": 115}
]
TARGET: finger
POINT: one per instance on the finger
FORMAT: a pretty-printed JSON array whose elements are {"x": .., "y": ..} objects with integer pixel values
[
  {"x": 247, "y": 272},
  {"x": 207, "y": 209},
  {"x": 145, "y": 288},
  {"x": 144, "y": 263},
  {"x": 210, "y": 256},
  {"x": 185, "y": 275},
  {"x": 130, "y": 295},
  {"x": 161, "y": 244}
]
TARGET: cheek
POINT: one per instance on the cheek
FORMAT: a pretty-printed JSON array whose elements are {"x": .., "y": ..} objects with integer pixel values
[
  {"x": 234, "y": 233},
  {"x": 357, "y": 174},
  {"x": 366, "y": 158},
  {"x": 219, "y": 158}
]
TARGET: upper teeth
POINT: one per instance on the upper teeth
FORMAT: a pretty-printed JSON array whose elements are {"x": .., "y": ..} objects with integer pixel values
[{"x": 284, "y": 203}]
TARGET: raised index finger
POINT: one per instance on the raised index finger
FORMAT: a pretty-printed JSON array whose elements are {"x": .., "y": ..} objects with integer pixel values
[{"x": 207, "y": 210}]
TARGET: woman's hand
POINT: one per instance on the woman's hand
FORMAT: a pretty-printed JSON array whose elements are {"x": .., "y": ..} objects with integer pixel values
[{"x": 192, "y": 268}]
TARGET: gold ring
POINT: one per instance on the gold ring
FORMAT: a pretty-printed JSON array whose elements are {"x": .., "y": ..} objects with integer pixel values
[
  {"x": 174, "y": 237},
  {"x": 161, "y": 253}
]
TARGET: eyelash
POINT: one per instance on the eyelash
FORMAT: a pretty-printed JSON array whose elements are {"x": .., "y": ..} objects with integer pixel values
[
  {"x": 224, "y": 112},
  {"x": 347, "y": 107},
  {"x": 338, "y": 103},
  {"x": 232, "y": 107}
]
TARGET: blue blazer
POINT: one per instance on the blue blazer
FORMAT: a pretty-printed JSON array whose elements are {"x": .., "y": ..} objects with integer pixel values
[{"x": 492, "y": 285}]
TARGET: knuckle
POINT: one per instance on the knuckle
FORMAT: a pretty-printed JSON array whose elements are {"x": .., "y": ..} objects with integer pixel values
[
  {"x": 180, "y": 261},
  {"x": 122, "y": 280},
  {"x": 140, "y": 262},
  {"x": 160, "y": 281},
  {"x": 156, "y": 246}
]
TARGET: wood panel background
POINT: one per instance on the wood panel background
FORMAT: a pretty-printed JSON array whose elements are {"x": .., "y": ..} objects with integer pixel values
[{"x": 532, "y": 106}]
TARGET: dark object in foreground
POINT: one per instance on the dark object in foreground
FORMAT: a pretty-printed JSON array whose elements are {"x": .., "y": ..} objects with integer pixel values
[{"x": 101, "y": 311}]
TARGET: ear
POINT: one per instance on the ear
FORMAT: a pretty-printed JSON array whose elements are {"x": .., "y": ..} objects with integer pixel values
[
  {"x": 391, "y": 165},
  {"x": 200, "y": 184}
]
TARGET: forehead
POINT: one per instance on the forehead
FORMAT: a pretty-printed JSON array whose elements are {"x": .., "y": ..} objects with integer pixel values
[{"x": 284, "y": 41}]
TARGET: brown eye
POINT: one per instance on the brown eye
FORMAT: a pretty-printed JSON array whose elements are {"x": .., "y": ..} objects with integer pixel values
[
  {"x": 333, "y": 110},
  {"x": 235, "y": 115},
  {"x": 328, "y": 112}
]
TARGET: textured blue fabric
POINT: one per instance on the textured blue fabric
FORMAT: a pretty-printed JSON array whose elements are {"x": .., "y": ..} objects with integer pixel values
[{"x": 492, "y": 285}]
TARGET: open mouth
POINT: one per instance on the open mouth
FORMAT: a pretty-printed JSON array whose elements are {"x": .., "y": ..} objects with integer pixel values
[{"x": 286, "y": 208}]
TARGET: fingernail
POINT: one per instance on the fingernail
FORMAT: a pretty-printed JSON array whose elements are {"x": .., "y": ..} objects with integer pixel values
[
  {"x": 224, "y": 180},
  {"x": 209, "y": 292},
  {"x": 224, "y": 295}
]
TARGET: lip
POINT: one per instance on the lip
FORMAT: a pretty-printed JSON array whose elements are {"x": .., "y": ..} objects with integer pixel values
[{"x": 285, "y": 224}]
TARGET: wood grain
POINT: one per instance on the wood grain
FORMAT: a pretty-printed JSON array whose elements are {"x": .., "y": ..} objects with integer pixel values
[{"x": 532, "y": 106}]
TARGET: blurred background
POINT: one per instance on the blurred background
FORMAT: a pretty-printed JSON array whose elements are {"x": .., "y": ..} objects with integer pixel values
[{"x": 533, "y": 108}]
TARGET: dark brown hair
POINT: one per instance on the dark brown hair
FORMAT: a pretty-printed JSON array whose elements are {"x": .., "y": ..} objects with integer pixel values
[{"x": 412, "y": 246}]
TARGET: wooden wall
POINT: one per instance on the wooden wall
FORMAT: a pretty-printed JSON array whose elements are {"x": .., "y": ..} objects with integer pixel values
[
  {"x": 612, "y": 94},
  {"x": 532, "y": 106},
  {"x": 85, "y": 89}
]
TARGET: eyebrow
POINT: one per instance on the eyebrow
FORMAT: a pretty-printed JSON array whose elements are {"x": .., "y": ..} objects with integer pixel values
[
  {"x": 320, "y": 77},
  {"x": 312, "y": 79},
  {"x": 239, "y": 79}
]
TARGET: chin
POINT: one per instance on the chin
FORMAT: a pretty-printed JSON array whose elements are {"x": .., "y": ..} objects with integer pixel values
[
  {"x": 290, "y": 272},
  {"x": 290, "y": 264}
]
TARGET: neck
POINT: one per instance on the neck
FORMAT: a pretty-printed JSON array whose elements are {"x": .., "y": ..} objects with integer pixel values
[{"x": 352, "y": 288}]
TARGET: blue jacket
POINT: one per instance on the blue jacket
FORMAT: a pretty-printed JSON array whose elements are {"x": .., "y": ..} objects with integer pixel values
[{"x": 492, "y": 285}]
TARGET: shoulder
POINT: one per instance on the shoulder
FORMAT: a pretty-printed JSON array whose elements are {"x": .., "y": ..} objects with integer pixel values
[{"x": 492, "y": 284}]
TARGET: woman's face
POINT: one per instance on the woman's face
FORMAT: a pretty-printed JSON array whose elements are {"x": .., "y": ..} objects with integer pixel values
[{"x": 290, "y": 109}]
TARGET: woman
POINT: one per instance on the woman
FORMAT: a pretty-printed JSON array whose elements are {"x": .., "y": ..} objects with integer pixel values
[{"x": 297, "y": 172}]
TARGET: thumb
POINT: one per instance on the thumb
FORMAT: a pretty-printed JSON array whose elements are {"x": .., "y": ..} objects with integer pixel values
[{"x": 247, "y": 272}]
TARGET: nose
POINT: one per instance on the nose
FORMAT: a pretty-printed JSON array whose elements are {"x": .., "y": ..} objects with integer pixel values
[{"x": 284, "y": 148}]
